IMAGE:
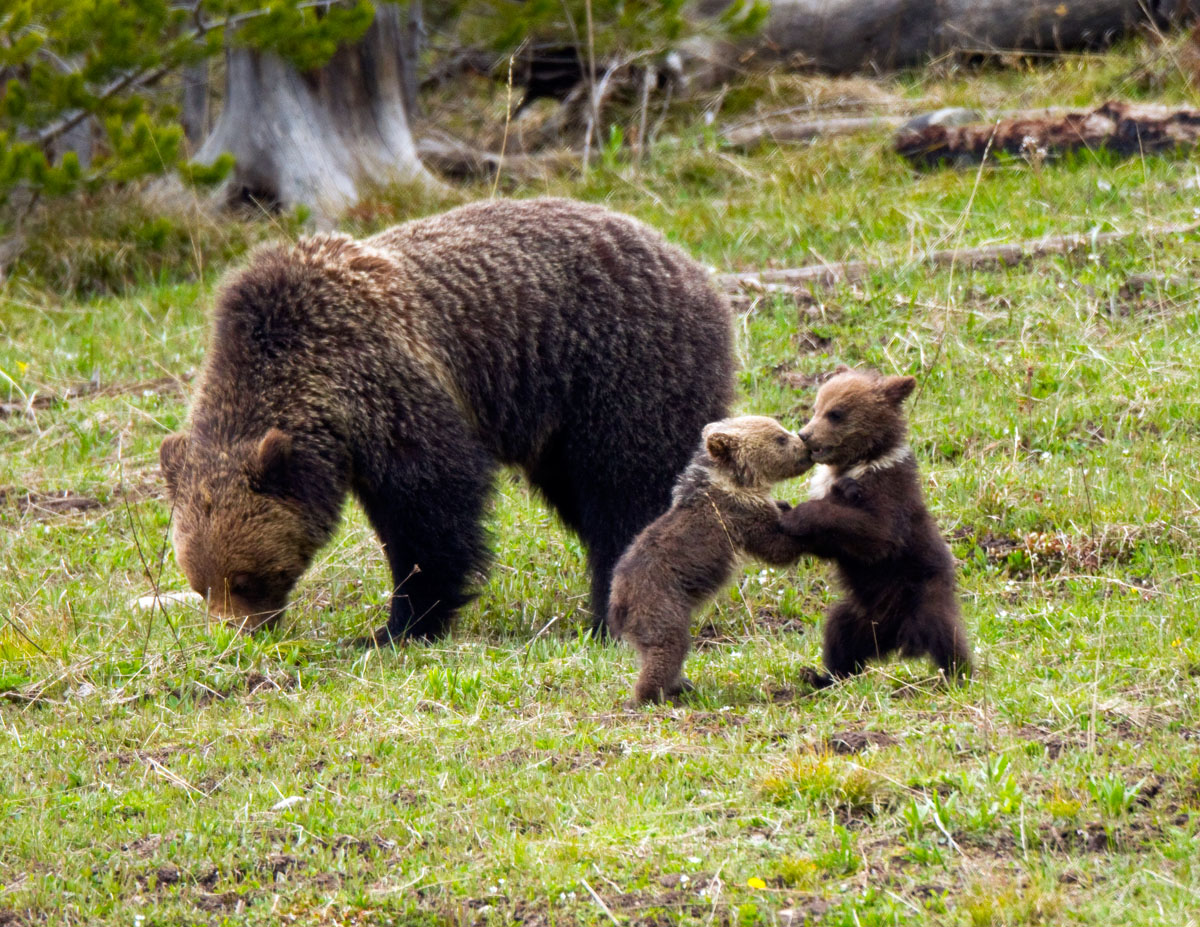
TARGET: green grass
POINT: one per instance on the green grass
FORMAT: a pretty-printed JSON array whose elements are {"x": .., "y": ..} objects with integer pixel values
[{"x": 163, "y": 772}]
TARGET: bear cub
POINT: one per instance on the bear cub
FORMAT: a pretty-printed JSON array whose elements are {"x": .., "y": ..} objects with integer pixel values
[
  {"x": 866, "y": 514},
  {"x": 722, "y": 508}
]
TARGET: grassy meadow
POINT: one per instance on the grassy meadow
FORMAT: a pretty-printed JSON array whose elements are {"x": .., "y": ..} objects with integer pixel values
[{"x": 157, "y": 769}]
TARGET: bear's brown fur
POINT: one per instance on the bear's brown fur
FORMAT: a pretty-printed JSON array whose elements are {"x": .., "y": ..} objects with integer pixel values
[
  {"x": 866, "y": 513},
  {"x": 722, "y": 509},
  {"x": 555, "y": 336}
]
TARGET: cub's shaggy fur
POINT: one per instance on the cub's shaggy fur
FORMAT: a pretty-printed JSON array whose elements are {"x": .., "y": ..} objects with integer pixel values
[
  {"x": 556, "y": 336},
  {"x": 866, "y": 513},
  {"x": 722, "y": 509}
]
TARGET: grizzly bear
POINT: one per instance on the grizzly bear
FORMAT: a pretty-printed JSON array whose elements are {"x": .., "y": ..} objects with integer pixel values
[
  {"x": 722, "y": 509},
  {"x": 866, "y": 514},
  {"x": 559, "y": 337}
]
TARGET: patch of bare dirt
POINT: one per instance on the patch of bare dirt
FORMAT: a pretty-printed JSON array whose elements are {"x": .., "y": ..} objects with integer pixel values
[
  {"x": 167, "y": 874},
  {"x": 1095, "y": 837},
  {"x": 1045, "y": 551},
  {"x": 44, "y": 399},
  {"x": 806, "y": 382},
  {"x": 848, "y": 742},
  {"x": 812, "y": 342},
  {"x": 147, "y": 846},
  {"x": 558, "y": 761},
  {"x": 1055, "y": 743},
  {"x": 1141, "y": 294},
  {"x": 250, "y": 684},
  {"x": 220, "y": 903},
  {"x": 45, "y": 504},
  {"x": 160, "y": 755}
]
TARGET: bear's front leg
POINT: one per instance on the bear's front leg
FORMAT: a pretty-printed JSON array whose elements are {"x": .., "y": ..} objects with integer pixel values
[
  {"x": 848, "y": 490},
  {"x": 768, "y": 542},
  {"x": 428, "y": 515},
  {"x": 833, "y": 530}
]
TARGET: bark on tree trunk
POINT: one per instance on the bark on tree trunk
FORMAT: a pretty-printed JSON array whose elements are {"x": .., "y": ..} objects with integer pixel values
[
  {"x": 414, "y": 41},
  {"x": 851, "y": 35},
  {"x": 195, "y": 102},
  {"x": 317, "y": 138}
]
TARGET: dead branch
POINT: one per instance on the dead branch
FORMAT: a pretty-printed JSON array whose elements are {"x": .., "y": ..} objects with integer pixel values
[
  {"x": 986, "y": 256},
  {"x": 805, "y": 130}
]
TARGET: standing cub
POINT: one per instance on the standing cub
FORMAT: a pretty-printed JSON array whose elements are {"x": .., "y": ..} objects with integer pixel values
[
  {"x": 866, "y": 514},
  {"x": 722, "y": 508}
]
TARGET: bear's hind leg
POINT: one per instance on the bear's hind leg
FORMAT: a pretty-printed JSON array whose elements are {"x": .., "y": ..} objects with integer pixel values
[
  {"x": 661, "y": 649},
  {"x": 609, "y": 522},
  {"x": 937, "y": 630},
  {"x": 851, "y": 639}
]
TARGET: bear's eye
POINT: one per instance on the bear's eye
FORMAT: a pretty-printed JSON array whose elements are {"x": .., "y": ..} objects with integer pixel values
[
  {"x": 241, "y": 585},
  {"x": 781, "y": 440},
  {"x": 835, "y": 415}
]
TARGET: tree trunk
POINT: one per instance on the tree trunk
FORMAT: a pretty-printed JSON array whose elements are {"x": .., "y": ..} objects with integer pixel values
[
  {"x": 414, "y": 41},
  {"x": 317, "y": 139},
  {"x": 195, "y": 102},
  {"x": 851, "y": 35}
]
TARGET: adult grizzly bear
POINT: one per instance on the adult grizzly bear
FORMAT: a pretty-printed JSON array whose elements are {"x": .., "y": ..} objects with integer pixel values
[{"x": 557, "y": 336}]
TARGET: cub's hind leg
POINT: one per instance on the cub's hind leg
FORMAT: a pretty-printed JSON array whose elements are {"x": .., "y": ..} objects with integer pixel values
[
  {"x": 937, "y": 630},
  {"x": 851, "y": 639},
  {"x": 662, "y": 641}
]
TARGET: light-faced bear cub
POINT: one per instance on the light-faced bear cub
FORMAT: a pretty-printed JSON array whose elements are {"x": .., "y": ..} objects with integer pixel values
[
  {"x": 721, "y": 509},
  {"x": 866, "y": 513}
]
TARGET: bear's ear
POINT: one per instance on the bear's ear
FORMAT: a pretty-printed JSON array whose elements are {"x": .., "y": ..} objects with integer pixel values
[
  {"x": 272, "y": 467},
  {"x": 723, "y": 448},
  {"x": 719, "y": 445},
  {"x": 897, "y": 389},
  {"x": 170, "y": 457}
]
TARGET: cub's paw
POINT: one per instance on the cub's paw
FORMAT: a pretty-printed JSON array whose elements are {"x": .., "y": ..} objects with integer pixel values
[
  {"x": 648, "y": 696},
  {"x": 783, "y": 506},
  {"x": 848, "y": 490}
]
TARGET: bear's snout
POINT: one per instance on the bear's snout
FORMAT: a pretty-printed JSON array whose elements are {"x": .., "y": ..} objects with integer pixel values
[{"x": 243, "y": 615}]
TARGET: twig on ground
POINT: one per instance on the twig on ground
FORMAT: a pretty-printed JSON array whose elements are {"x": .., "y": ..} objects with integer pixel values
[{"x": 985, "y": 256}]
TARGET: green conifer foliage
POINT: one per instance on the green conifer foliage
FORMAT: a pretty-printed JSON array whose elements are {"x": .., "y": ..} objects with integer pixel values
[{"x": 97, "y": 63}]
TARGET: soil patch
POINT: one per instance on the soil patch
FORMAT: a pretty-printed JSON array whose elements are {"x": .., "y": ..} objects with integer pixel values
[
  {"x": 847, "y": 742},
  {"x": 1055, "y": 744},
  {"x": 1046, "y": 551},
  {"x": 45, "y": 504},
  {"x": 219, "y": 903}
]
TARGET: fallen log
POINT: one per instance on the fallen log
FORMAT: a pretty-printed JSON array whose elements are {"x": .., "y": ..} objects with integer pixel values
[
  {"x": 840, "y": 36},
  {"x": 803, "y": 130},
  {"x": 808, "y": 129},
  {"x": 1008, "y": 254},
  {"x": 1127, "y": 129}
]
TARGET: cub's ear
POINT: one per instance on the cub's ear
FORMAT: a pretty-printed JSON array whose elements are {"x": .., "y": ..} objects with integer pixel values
[
  {"x": 723, "y": 447},
  {"x": 170, "y": 457},
  {"x": 719, "y": 445},
  {"x": 271, "y": 470},
  {"x": 897, "y": 389}
]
